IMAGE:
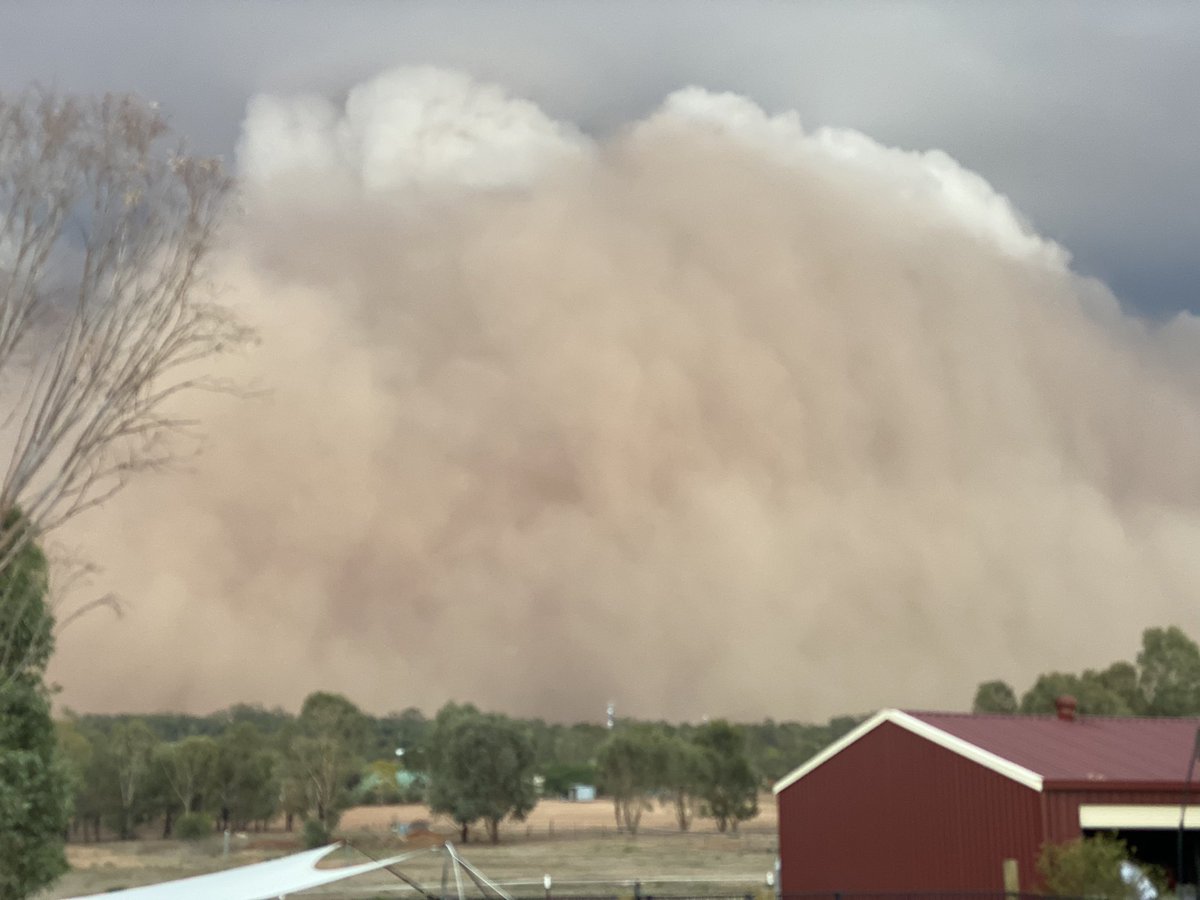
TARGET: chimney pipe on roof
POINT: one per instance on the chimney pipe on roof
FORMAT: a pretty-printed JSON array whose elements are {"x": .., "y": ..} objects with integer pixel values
[{"x": 1065, "y": 706}]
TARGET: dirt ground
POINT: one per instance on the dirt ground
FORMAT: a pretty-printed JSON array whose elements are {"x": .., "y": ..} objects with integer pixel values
[
  {"x": 552, "y": 818},
  {"x": 575, "y": 843}
]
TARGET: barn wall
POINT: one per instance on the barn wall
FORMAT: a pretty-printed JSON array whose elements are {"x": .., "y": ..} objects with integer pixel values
[{"x": 894, "y": 812}]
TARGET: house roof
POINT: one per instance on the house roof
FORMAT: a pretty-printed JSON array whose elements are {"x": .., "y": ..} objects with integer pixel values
[{"x": 1040, "y": 750}]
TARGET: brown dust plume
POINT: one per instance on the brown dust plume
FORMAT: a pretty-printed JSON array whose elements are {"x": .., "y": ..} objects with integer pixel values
[{"x": 714, "y": 416}]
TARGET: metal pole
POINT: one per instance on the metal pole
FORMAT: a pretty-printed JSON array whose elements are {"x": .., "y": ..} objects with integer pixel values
[{"x": 1183, "y": 804}]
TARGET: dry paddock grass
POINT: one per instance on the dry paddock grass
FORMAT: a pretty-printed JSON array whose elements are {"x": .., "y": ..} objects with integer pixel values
[
  {"x": 553, "y": 818},
  {"x": 576, "y": 843}
]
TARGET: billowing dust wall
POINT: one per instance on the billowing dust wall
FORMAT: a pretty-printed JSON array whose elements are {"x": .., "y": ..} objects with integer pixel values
[{"x": 711, "y": 415}]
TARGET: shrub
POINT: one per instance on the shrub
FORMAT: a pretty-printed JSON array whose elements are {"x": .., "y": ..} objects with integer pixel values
[
  {"x": 193, "y": 826},
  {"x": 1097, "y": 866},
  {"x": 316, "y": 834}
]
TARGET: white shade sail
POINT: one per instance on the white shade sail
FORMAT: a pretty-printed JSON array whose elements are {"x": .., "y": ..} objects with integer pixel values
[{"x": 260, "y": 881}]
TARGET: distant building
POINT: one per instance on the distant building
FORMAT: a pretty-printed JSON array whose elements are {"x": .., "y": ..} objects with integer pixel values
[
  {"x": 918, "y": 801},
  {"x": 581, "y": 793}
]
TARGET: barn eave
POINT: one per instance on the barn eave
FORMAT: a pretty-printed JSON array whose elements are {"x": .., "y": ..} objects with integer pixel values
[{"x": 966, "y": 749}]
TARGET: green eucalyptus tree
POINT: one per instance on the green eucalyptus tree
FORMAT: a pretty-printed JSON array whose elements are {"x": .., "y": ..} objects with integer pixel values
[
  {"x": 482, "y": 769},
  {"x": 34, "y": 780}
]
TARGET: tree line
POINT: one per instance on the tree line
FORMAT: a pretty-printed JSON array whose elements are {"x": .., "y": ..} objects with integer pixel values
[
  {"x": 247, "y": 766},
  {"x": 1163, "y": 680}
]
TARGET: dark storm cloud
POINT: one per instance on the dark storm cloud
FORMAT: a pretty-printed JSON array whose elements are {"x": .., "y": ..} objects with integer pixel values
[{"x": 1083, "y": 113}]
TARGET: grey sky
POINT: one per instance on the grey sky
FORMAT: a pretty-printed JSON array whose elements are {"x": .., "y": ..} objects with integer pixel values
[{"x": 1083, "y": 113}]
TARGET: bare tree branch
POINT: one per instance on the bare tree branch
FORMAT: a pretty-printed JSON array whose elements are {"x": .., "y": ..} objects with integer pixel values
[{"x": 106, "y": 315}]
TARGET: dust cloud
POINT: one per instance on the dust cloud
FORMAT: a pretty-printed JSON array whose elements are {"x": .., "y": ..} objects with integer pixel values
[{"x": 711, "y": 416}]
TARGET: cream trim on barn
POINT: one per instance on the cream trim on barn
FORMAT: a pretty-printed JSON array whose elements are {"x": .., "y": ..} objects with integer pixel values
[
  {"x": 1139, "y": 816},
  {"x": 976, "y": 754}
]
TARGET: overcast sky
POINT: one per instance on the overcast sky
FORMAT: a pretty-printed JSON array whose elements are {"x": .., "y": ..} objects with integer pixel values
[{"x": 1083, "y": 113}]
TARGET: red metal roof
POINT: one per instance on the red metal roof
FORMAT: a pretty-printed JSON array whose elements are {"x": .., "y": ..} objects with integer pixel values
[{"x": 1088, "y": 749}]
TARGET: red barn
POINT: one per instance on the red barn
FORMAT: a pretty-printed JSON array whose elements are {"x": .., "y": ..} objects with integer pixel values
[{"x": 918, "y": 801}]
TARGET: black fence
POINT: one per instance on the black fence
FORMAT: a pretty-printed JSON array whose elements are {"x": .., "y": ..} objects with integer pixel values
[
  {"x": 637, "y": 892},
  {"x": 924, "y": 895}
]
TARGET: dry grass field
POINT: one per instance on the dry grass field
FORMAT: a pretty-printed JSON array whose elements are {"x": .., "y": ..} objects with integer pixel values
[
  {"x": 575, "y": 843},
  {"x": 552, "y": 818}
]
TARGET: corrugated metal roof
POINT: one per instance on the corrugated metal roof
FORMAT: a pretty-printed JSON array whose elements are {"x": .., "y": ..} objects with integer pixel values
[{"x": 1090, "y": 748}]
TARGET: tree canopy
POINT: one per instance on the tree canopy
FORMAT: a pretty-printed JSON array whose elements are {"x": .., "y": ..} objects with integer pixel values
[
  {"x": 1169, "y": 672},
  {"x": 1165, "y": 681},
  {"x": 483, "y": 770},
  {"x": 327, "y": 751},
  {"x": 632, "y": 768},
  {"x": 727, "y": 783},
  {"x": 34, "y": 781},
  {"x": 683, "y": 771}
]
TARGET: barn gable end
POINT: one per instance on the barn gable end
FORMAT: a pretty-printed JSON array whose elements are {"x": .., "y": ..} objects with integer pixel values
[
  {"x": 970, "y": 751},
  {"x": 929, "y": 801},
  {"x": 872, "y": 812}
]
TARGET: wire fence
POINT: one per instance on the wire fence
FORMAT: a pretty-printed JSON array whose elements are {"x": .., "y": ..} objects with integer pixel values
[
  {"x": 694, "y": 890},
  {"x": 570, "y": 830},
  {"x": 640, "y": 892},
  {"x": 635, "y": 894},
  {"x": 923, "y": 895}
]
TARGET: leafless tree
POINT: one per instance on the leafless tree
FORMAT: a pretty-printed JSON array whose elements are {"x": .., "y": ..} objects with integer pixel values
[{"x": 106, "y": 314}]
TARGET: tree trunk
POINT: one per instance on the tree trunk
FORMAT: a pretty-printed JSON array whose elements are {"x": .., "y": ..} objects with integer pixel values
[
  {"x": 493, "y": 827},
  {"x": 464, "y": 833},
  {"x": 168, "y": 824},
  {"x": 630, "y": 815},
  {"x": 288, "y": 821},
  {"x": 683, "y": 810}
]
